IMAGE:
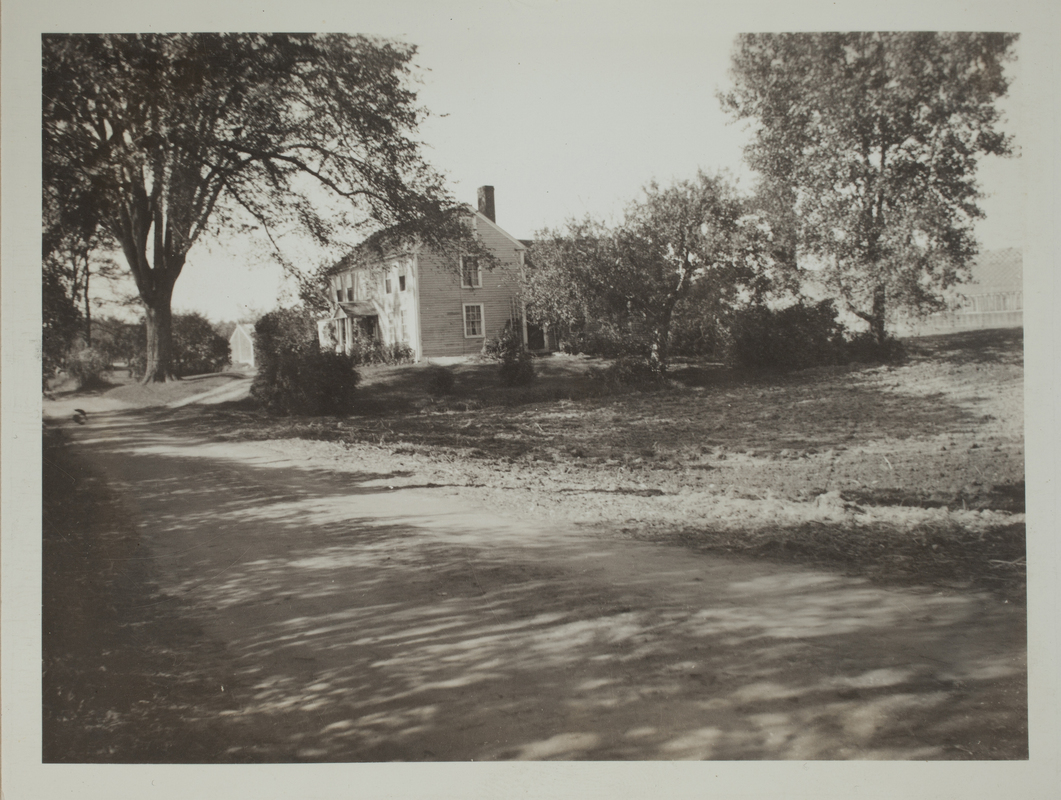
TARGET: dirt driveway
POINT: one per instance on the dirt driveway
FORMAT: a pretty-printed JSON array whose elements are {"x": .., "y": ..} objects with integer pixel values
[{"x": 257, "y": 607}]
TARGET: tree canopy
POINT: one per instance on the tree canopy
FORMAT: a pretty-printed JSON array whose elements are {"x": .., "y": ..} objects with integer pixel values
[
  {"x": 631, "y": 276},
  {"x": 867, "y": 146},
  {"x": 160, "y": 139}
]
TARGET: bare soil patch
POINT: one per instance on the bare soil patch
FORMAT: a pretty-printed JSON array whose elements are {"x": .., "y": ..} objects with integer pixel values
[{"x": 911, "y": 472}]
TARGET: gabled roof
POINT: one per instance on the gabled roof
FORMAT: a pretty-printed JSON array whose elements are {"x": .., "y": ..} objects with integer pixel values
[
  {"x": 347, "y": 261},
  {"x": 479, "y": 215}
]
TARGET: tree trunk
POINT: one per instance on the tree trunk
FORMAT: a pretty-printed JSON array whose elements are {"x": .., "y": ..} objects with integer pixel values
[
  {"x": 659, "y": 353},
  {"x": 159, "y": 323},
  {"x": 88, "y": 311},
  {"x": 876, "y": 321}
]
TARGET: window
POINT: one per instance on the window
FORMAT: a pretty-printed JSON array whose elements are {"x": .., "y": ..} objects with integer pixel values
[
  {"x": 350, "y": 293},
  {"x": 339, "y": 295},
  {"x": 405, "y": 327},
  {"x": 401, "y": 283},
  {"x": 471, "y": 276},
  {"x": 473, "y": 320},
  {"x": 387, "y": 285}
]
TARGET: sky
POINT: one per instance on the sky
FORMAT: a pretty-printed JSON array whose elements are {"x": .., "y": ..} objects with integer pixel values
[{"x": 565, "y": 109}]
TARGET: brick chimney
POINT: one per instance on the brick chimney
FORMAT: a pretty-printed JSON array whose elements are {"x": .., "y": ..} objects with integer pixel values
[{"x": 486, "y": 202}]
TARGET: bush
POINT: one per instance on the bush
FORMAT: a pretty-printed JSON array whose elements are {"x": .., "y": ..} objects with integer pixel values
[
  {"x": 440, "y": 381},
  {"x": 366, "y": 350},
  {"x": 865, "y": 349},
  {"x": 517, "y": 369},
  {"x": 197, "y": 347},
  {"x": 795, "y": 337},
  {"x": 61, "y": 324},
  {"x": 603, "y": 339},
  {"x": 630, "y": 372},
  {"x": 294, "y": 376},
  {"x": 87, "y": 366}
]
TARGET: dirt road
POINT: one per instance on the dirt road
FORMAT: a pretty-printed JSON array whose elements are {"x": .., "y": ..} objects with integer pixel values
[{"x": 270, "y": 609}]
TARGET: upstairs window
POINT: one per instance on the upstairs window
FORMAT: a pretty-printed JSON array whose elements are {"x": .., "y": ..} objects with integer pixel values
[
  {"x": 387, "y": 285},
  {"x": 471, "y": 276},
  {"x": 401, "y": 283},
  {"x": 339, "y": 295},
  {"x": 350, "y": 293}
]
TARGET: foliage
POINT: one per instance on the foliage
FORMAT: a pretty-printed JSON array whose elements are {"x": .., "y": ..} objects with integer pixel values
[
  {"x": 629, "y": 279},
  {"x": 121, "y": 341},
  {"x": 630, "y": 372},
  {"x": 369, "y": 350},
  {"x": 867, "y": 144},
  {"x": 294, "y": 375},
  {"x": 865, "y": 348},
  {"x": 517, "y": 368},
  {"x": 795, "y": 337},
  {"x": 604, "y": 339},
  {"x": 197, "y": 347},
  {"x": 163, "y": 138},
  {"x": 87, "y": 365},
  {"x": 61, "y": 323}
]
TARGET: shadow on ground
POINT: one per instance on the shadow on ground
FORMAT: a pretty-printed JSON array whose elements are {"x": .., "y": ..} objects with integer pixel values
[{"x": 209, "y": 602}]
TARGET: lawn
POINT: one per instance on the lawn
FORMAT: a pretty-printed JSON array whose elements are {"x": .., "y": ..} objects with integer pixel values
[{"x": 911, "y": 473}]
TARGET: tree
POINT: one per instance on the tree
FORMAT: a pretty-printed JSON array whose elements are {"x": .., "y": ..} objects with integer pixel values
[
  {"x": 61, "y": 321},
  {"x": 867, "y": 146},
  {"x": 197, "y": 347},
  {"x": 693, "y": 232},
  {"x": 165, "y": 138},
  {"x": 294, "y": 375}
]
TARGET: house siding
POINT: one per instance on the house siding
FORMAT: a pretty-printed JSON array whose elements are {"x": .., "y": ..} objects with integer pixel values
[
  {"x": 434, "y": 299},
  {"x": 443, "y": 298}
]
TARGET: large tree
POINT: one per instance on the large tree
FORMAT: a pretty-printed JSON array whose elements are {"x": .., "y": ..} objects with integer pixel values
[
  {"x": 170, "y": 137},
  {"x": 635, "y": 273},
  {"x": 867, "y": 145}
]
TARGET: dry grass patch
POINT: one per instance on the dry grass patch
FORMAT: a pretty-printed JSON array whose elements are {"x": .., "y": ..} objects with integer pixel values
[{"x": 906, "y": 472}]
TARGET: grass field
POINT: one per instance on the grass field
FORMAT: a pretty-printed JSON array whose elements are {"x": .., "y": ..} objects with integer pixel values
[{"x": 911, "y": 472}]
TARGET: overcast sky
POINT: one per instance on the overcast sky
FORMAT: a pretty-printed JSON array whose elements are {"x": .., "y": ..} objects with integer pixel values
[
  {"x": 565, "y": 111},
  {"x": 566, "y": 108}
]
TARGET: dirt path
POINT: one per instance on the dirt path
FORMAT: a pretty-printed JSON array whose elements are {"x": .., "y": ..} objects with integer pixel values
[{"x": 269, "y": 609}]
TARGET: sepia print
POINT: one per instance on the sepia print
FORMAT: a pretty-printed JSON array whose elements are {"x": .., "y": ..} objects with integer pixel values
[{"x": 732, "y": 469}]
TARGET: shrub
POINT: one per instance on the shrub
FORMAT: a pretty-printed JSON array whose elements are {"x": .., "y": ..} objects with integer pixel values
[
  {"x": 366, "y": 350},
  {"x": 865, "y": 349},
  {"x": 440, "y": 381},
  {"x": 795, "y": 337},
  {"x": 630, "y": 372},
  {"x": 87, "y": 366},
  {"x": 294, "y": 376},
  {"x": 517, "y": 369},
  {"x": 197, "y": 347},
  {"x": 603, "y": 339},
  {"x": 61, "y": 324}
]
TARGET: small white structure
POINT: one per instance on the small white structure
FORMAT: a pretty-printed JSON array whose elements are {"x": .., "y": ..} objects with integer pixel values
[{"x": 241, "y": 344}]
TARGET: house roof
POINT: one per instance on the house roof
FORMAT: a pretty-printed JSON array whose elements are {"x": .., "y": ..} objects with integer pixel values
[
  {"x": 479, "y": 215},
  {"x": 348, "y": 260},
  {"x": 1002, "y": 270}
]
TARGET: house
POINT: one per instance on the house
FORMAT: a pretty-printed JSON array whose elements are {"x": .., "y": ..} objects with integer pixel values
[
  {"x": 241, "y": 345},
  {"x": 440, "y": 305}
]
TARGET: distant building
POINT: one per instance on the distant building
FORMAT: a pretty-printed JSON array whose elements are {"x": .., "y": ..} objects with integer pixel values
[
  {"x": 441, "y": 306},
  {"x": 993, "y": 298},
  {"x": 241, "y": 345}
]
